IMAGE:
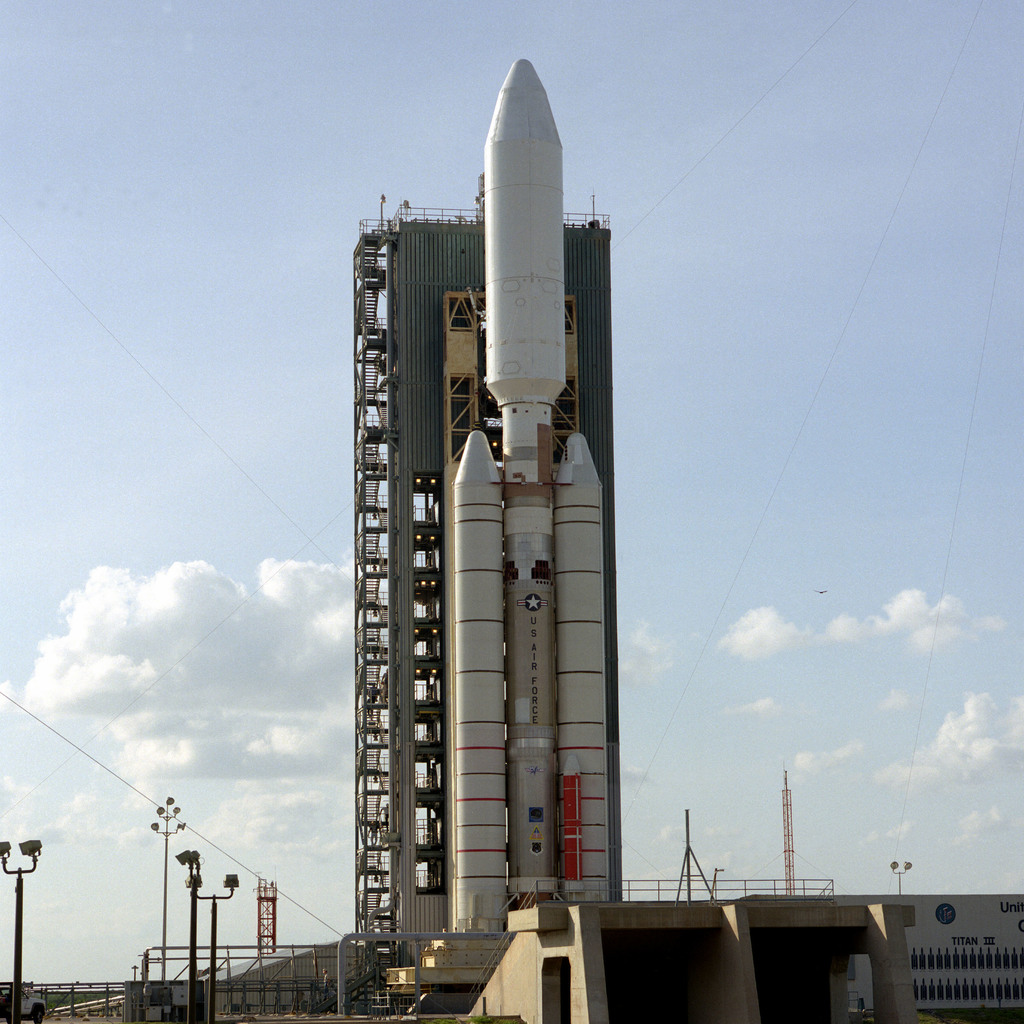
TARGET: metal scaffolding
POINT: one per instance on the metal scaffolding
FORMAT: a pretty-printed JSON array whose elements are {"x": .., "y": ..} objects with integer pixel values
[{"x": 419, "y": 391}]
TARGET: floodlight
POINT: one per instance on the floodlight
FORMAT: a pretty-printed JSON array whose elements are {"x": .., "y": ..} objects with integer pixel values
[
  {"x": 231, "y": 881},
  {"x": 188, "y": 857},
  {"x": 31, "y": 847},
  {"x": 5, "y": 848},
  {"x": 155, "y": 827},
  {"x": 894, "y": 865},
  {"x": 170, "y": 800},
  {"x": 907, "y": 866}
]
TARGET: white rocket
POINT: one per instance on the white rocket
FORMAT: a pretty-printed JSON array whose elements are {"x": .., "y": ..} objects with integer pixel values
[{"x": 529, "y": 688}]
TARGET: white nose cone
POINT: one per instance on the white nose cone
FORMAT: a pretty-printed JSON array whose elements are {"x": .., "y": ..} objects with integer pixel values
[
  {"x": 522, "y": 110},
  {"x": 523, "y": 244}
]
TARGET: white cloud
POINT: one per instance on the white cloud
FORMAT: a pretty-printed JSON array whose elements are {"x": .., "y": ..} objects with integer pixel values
[
  {"x": 315, "y": 822},
  {"x": 645, "y": 657},
  {"x": 979, "y": 825},
  {"x": 672, "y": 834},
  {"x": 897, "y": 833},
  {"x": 971, "y": 746},
  {"x": 7, "y": 688},
  {"x": 1015, "y": 722},
  {"x": 813, "y": 762},
  {"x": 897, "y": 700},
  {"x": 762, "y": 632},
  {"x": 926, "y": 626},
  {"x": 766, "y": 707},
  {"x": 190, "y": 674},
  {"x": 633, "y": 775}
]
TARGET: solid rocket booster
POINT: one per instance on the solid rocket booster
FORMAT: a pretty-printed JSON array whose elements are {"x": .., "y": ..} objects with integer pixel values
[
  {"x": 579, "y": 641},
  {"x": 548, "y": 783},
  {"x": 480, "y": 873}
]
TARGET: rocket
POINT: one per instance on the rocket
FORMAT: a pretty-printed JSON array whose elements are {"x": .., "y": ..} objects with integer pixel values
[{"x": 528, "y": 681}]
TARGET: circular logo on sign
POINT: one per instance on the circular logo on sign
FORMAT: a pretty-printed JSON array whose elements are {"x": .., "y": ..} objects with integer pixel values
[{"x": 945, "y": 914}]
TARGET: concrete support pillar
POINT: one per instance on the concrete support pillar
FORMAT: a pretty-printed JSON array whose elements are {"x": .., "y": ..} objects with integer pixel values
[
  {"x": 589, "y": 994},
  {"x": 839, "y": 989},
  {"x": 891, "y": 981},
  {"x": 722, "y": 985}
]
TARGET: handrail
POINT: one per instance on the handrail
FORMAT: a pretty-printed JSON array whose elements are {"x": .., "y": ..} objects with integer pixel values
[
  {"x": 489, "y": 968},
  {"x": 449, "y": 215},
  {"x": 730, "y": 890},
  {"x": 665, "y": 890}
]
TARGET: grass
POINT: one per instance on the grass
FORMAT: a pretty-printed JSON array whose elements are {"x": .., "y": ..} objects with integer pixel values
[
  {"x": 982, "y": 1015},
  {"x": 472, "y": 1020}
]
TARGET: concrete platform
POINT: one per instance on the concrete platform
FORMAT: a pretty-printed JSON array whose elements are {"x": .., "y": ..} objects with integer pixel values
[{"x": 749, "y": 962}]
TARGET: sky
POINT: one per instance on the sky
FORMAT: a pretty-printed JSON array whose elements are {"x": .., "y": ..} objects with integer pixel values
[{"x": 817, "y": 214}]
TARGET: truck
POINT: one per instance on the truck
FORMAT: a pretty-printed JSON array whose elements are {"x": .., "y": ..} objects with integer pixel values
[{"x": 33, "y": 1008}]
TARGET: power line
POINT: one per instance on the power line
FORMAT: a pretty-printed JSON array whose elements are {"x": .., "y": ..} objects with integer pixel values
[
  {"x": 778, "y": 81},
  {"x": 963, "y": 469},
  {"x": 166, "y": 392},
  {"x": 145, "y": 796},
  {"x": 811, "y": 405}
]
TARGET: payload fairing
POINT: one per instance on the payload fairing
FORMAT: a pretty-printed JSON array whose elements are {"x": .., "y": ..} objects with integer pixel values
[{"x": 530, "y": 759}]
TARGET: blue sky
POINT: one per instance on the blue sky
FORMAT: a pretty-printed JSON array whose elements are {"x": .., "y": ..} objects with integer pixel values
[{"x": 817, "y": 326}]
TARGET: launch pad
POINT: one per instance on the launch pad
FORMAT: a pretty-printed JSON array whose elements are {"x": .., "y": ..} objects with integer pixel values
[
  {"x": 748, "y": 962},
  {"x": 487, "y": 760}
]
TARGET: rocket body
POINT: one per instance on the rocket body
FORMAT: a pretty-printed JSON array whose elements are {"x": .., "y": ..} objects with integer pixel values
[
  {"x": 526, "y": 373},
  {"x": 553, "y": 706}
]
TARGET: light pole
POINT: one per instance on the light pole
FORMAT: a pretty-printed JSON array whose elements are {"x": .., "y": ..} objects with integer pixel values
[
  {"x": 231, "y": 884},
  {"x": 168, "y": 816},
  {"x": 900, "y": 872},
  {"x": 195, "y": 881},
  {"x": 30, "y": 848}
]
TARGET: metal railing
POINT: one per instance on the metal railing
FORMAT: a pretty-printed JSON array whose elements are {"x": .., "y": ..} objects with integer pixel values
[
  {"x": 80, "y": 997},
  {"x": 666, "y": 890},
  {"x": 256, "y": 995},
  {"x": 670, "y": 890},
  {"x": 822, "y": 889},
  {"x": 489, "y": 968},
  {"x": 447, "y": 215}
]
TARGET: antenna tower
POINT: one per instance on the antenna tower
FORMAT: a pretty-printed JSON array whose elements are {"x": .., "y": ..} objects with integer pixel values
[
  {"x": 787, "y": 837},
  {"x": 689, "y": 863},
  {"x": 266, "y": 925}
]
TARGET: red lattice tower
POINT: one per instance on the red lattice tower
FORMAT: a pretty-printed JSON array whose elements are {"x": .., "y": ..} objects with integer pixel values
[
  {"x": 787, "y": 837},
  {"x": 266, "y": 925}
]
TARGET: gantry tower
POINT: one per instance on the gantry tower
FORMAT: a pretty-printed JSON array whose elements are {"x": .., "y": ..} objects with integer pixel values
[{"x": 419, "y": 322}]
